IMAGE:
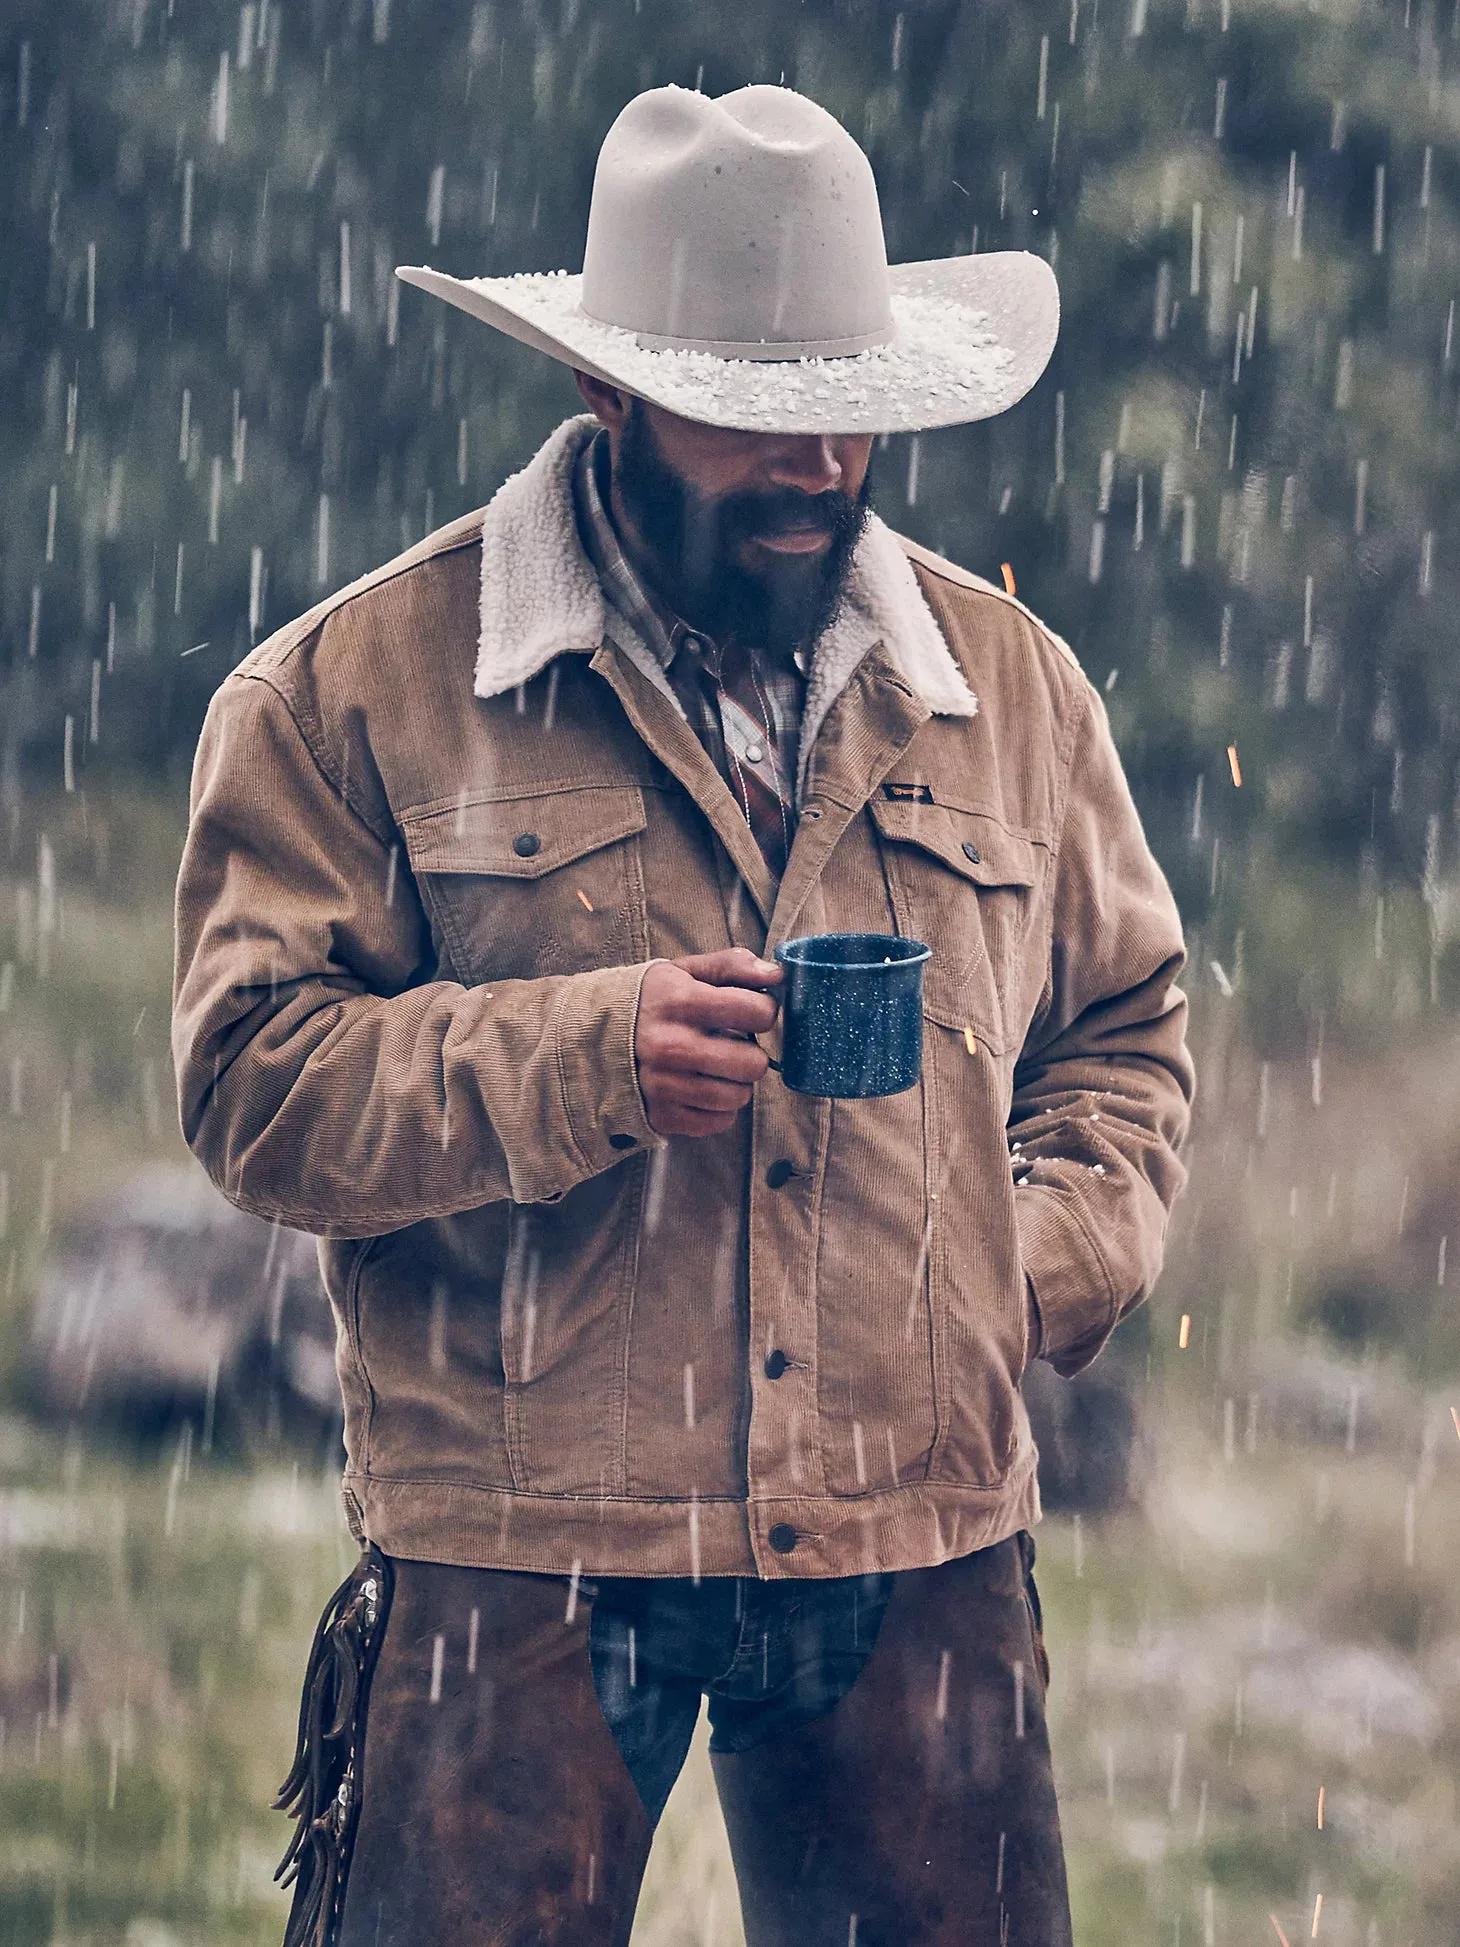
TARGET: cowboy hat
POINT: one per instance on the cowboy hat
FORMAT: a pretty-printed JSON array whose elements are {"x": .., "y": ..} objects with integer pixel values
[{"x": 735, "y": 273}]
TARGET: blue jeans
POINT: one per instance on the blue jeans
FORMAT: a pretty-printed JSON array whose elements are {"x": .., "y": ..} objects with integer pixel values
[{"x": 769, "y": 1656}]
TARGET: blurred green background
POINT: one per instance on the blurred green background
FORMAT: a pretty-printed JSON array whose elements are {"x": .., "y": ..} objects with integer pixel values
[{"x": 1233, "y": 493}]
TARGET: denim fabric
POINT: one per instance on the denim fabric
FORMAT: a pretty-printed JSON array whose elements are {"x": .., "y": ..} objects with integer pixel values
[{"x": 769, "y": 1656}]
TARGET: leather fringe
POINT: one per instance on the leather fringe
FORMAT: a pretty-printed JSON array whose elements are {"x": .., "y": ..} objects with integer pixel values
[{"x": 322, "y": 1790}]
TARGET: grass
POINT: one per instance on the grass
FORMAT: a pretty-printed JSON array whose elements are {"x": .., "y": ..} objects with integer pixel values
[
  {"x": 1276, "y": 1615},
  {"x": 1221, "y": 1654}
]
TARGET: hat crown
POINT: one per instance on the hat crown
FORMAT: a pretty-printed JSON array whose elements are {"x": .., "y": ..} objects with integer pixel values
[{"x": 746, "y": 225}]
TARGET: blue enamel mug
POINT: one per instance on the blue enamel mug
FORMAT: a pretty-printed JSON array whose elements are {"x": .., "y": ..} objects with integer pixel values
[{"x": 852, "y": 1014}]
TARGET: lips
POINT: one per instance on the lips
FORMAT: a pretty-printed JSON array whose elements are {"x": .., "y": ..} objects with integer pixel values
[{"x": 796, "y": 540}]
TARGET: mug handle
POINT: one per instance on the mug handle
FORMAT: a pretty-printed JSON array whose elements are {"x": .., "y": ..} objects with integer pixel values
[{"x": 769, "y": 1057}]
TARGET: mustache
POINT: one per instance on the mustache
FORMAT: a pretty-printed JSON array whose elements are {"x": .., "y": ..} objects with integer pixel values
[{"x": 785, "y": 510}]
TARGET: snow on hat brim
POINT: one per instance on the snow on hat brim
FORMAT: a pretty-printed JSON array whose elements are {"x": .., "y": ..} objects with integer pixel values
[{"x": 972, "y": 336}]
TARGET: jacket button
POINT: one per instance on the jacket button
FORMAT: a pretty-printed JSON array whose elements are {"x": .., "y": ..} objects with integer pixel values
[
  {"x": 783, "y": 1537},
  {"x": 776, "y": 1364},
  {"x": 780, "y": 1173},
  {"x": 527, "y": 845},
  {"x": 623, "y": 1142},
  {"x": 973, "y": 853}
]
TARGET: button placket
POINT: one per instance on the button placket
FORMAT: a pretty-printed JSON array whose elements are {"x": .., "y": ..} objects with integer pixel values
[{"x": 783, "y": 1456}]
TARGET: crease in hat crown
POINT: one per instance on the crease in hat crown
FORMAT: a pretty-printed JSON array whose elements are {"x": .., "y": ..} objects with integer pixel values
[
  {"x": 735, "y": 273},
  {"x": 746, "y": 226}
]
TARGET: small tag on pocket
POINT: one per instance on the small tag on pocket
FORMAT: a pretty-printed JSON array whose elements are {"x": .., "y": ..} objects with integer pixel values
[{"x": 908, "y": 793}]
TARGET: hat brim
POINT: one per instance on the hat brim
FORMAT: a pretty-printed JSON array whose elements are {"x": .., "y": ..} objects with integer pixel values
[{"x": 972, "y": 336}]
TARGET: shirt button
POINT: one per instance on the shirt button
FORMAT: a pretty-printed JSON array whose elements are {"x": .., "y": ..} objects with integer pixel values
[
  {"x": 526, "y": 845},
  {"x": 783, "y": 1537},
  {"x": 623, "y": 1142},
  {"x": 780, "y": 1173},
  {"x": 972, "y": 852},
  {"x": 776, "y": 1364},
  {"x": 754, "y": 753}
]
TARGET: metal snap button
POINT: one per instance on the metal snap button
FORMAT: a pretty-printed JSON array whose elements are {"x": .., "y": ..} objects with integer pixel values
[
  {"x": 780, "y": 1173},
  {"x": 623, "y": 1142},
  {"x": 754, "y": 753},
  {"x": 776, "y": 1364},
  {"x": 783, "y": 1537},
  {"x": 526, "y": 845},
  {"x": 973, "y": 853}
]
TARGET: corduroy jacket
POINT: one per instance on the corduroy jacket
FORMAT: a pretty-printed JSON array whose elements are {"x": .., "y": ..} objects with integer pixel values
[{"x": 440, "y": 826}]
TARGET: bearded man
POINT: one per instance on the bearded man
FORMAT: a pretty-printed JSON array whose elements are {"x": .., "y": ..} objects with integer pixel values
[{"x": 665, "y": 1382}]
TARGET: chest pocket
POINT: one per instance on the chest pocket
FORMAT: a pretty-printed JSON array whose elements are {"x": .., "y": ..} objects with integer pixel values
[
  {"x": 966, "y": 884},
  {"x": 547, "y": 883}
]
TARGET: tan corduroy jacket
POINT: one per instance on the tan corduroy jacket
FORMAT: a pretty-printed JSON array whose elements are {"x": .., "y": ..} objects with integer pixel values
[{"x": 440, "y": 825}]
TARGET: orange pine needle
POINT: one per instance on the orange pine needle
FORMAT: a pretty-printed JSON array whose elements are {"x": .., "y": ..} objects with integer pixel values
[
  {"x": 1008, "y": 573},
  {"x": 970, "y": 1041},
  {"x": 1455, "y": 1416},
  {"x": 1184, "y": 1339},
  {"x": 1236, "y": 767},
  {"x": 587, "y": 902},
  {"x": 1278, "y": 1930},
  {"x": 1320, "y": 1808}
]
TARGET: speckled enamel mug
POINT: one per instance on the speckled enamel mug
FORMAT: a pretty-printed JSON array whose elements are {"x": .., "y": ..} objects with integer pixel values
[{"x": 852, "y": 1014}]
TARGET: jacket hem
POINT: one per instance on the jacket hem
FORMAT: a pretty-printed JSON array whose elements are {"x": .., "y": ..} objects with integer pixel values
[{"x": 471, "y": 1526}]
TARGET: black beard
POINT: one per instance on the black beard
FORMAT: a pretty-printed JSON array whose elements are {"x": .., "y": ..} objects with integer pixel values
[{"x": 692, "y": 542}]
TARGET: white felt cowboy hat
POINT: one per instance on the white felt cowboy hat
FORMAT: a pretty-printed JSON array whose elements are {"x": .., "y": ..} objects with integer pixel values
[{"x": 735, "y": 273}]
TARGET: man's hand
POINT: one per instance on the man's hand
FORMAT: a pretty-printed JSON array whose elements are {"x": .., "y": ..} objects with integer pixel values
[{"x": 695, "y": 1074}]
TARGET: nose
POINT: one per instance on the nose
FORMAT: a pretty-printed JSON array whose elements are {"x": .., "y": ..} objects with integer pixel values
[{"x": 810, "y": 462}]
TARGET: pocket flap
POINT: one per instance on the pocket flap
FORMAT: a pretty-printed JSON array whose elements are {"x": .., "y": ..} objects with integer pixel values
[
  {"x": 523, "y": 837},
  {"x": 972, "y": 844}
]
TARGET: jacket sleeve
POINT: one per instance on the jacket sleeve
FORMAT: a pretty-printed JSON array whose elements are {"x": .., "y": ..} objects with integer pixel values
[
  {"x": 1104, "y": 1083},
  {"x": 326, "y": 1078}
]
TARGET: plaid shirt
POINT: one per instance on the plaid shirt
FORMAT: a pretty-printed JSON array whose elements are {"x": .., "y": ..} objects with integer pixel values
[{"x": 688, "y": 658}]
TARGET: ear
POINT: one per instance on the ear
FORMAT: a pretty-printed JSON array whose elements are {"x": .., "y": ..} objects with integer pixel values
[{"x": 610, "y": 404}]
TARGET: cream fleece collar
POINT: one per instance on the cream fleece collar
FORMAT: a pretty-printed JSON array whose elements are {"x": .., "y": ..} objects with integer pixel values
[{"x": 540, "y": 598}]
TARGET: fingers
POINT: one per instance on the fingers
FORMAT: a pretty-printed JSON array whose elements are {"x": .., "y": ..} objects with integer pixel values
[
  {"x": 673, "y": 1048},
  {"x": 690, "y": 1105},
  {"x": 714, "y": 1009},
  {"x": 696, "y": 1071},
  {"x": 723, "y": 1010},
  {"x": 705, "y": 1093}
]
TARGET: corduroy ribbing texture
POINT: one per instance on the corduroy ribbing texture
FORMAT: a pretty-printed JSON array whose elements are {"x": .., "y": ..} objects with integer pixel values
[{"x": 413, "y": 922}]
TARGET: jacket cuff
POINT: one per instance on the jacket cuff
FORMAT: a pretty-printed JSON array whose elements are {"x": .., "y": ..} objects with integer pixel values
[
  {"x": 598, "y": 1072},
  {"x": 1071, "y": 1295}
]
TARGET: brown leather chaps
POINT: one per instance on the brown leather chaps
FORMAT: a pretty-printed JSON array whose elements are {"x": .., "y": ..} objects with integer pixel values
[{"x": 486, "y": 1802}]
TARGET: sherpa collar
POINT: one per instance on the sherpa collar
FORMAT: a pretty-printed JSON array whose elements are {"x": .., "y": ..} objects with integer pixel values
[{"x": 540, "y": 598}]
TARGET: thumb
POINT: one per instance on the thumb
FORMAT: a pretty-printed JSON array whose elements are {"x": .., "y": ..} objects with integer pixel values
[{"x": 734, "y": 966}]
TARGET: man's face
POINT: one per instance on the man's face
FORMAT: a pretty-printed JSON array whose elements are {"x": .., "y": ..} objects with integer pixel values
[{"x": 747, "y": 534}]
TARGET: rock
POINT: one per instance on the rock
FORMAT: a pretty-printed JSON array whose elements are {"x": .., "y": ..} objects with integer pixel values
[
  {"x": 165, "y": 1303},
  {"x": 1085, "y": 1429}
]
